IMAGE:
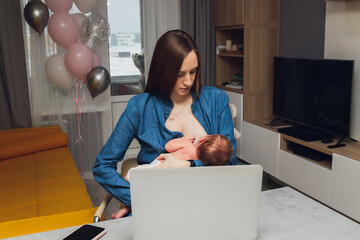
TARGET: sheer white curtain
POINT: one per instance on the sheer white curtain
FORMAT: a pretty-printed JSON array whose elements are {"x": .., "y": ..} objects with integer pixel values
[
  {"x": 159, "y": 16},
  {"x": 51, "y": 105}
]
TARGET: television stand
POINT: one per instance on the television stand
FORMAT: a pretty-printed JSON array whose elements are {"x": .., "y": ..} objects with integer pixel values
[
  {"x": 305, "y": 133},
  {"x": 339, "y": 144}
]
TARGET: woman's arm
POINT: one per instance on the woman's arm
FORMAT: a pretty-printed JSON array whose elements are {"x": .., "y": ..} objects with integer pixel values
[{"x": 105, "y": 166}]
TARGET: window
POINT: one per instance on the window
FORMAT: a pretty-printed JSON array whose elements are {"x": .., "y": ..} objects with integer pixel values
[{"x": 126, "y": 47}]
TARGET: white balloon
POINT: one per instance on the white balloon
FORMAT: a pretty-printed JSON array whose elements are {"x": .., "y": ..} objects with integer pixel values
[
  {"x": 95, "y": 31},
  {"x": 57, "y": 73},
  {"x": 86, "y": 6},
  {"x": 79, "y": 19}
]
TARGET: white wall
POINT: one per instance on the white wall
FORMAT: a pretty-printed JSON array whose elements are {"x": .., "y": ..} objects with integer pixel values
[{"x": 342, "y": 41}]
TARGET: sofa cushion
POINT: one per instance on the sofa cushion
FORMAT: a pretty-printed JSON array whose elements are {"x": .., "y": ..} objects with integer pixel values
[
  {"x": 60, "y": 187},
  {"x": 17, "y": 180},
  {"x": 64, "y": 204},
  {"x": 36, "y": 144},
  {"x": 16, "y": 166},
  {"x": 15, "y": 197},
  {"x": 40, "y": 186},
  {"x": 53, "y": 158},
  {"x": 18, "y": 212},
  {"x": 48, "y": 182},
  {"x": 13, "y": 135}
]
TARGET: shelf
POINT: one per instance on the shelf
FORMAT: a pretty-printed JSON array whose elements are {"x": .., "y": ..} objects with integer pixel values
[
  {"x": 230, "y": 55},
  {"x": 351, "y": 150},
  {"x": 235, "y": 27},
  {"x": 253, "y": 26},
  {"x": 231, "y": 89},
  {"x": 286, "y": 141}
]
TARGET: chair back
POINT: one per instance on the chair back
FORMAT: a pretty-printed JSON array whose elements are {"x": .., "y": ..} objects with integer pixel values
[{"x": 127, "y": 164}]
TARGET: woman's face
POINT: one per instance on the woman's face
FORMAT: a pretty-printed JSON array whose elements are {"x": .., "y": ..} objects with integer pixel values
[{"x": 186, "y": 76}]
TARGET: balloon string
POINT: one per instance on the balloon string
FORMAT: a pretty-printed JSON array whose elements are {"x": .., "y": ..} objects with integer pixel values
[
  {"x": 78, "y": 117},
  {"x": 81, "y": 99}
]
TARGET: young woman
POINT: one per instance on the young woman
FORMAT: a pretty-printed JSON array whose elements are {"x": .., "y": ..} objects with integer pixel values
[{"x": 173, "y": 105}]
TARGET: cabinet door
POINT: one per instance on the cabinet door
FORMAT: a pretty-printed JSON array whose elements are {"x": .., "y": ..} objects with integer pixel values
[
  {"x": 260, "y": 146},
  {"x": 344, "y": 186},
  {"x": 228, "y": 13},
  {"x": 237, "y": 100},
  {"x": 304, "y": 175},
  {"x": 117, "y": 109}
]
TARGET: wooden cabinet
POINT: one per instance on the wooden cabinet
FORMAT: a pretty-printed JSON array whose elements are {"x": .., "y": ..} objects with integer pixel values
[
  {"x": 304, "y": 175},
  {"x": 229, "y": 63},
  {"x": 228, "y": 13},
  {"x": 344, "y": 186},
  {"x": 332, "y": 180},
  {"x": 260, "y": 146},
  {"x": 255, "y": 28}
]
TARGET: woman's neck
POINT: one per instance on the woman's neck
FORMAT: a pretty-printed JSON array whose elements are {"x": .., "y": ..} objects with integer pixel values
[
  {"x": 180, "y": 105},
  {"x": 180, "y": 100}
]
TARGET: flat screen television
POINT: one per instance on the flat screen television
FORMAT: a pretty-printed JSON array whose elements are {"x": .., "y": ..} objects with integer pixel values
[{"x": 314, "y": 93}]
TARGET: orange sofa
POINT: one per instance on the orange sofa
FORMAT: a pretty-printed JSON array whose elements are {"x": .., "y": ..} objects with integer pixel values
[{"x": 40, "y": 186}]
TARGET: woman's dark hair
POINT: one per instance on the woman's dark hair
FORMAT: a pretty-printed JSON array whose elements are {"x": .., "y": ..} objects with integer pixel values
[{"x": 169, "y": 54}]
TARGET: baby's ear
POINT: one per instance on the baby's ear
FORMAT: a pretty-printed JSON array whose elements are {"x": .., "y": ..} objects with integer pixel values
[{"x": 202, "y": 139}]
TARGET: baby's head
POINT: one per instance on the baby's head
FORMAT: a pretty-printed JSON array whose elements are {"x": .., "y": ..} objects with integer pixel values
[{"x": 214, "y": 149}]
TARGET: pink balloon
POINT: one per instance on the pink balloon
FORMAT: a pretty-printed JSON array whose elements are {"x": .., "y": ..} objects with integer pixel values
[
  {"x": 97, "y": 60},
  {"x": 79, "y": 60},
  {"x": 59, "y": 6},
  {"x": 63, "y": 29}
]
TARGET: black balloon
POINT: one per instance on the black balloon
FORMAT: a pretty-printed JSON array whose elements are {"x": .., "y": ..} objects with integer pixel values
[
  {"x": 36, "y": 14},
  {"x": 97, "y": 80}
]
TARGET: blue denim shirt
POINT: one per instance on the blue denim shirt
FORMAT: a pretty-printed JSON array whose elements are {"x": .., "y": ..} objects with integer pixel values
[{"x": 144, "y": 119}]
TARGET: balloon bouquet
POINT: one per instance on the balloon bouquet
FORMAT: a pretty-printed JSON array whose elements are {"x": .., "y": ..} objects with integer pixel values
[{"x": 79, "y": 35}]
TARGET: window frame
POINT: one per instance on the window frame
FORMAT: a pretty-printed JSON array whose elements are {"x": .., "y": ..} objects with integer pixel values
[{"x": 127, "y": 79}]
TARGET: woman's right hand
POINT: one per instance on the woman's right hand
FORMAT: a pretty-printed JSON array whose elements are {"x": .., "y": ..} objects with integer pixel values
[{"x": 171, "y": 161}]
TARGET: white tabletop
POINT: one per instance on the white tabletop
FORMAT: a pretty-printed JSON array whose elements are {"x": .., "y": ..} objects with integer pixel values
[{"x": 285, "y": 214}]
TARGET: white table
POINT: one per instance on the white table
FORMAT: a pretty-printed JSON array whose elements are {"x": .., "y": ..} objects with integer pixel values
[{"x": 285, "y": 214}]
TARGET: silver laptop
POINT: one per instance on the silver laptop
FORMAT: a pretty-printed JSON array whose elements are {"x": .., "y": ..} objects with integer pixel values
[{"x": 203, "y": 203}]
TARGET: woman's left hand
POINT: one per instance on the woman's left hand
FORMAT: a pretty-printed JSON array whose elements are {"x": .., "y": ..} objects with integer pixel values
[{"x": 171, "y": 161}]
